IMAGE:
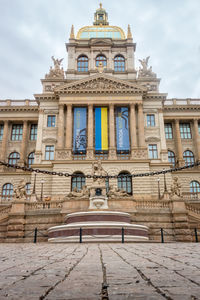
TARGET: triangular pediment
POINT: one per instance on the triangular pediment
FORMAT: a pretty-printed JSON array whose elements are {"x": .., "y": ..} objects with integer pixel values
[
  {"x": 101, "y": 42},
  {"x": 100, "y": 83}
]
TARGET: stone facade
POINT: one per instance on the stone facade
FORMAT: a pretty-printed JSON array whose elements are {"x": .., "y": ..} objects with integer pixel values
[{"x": 157, "y": 125}]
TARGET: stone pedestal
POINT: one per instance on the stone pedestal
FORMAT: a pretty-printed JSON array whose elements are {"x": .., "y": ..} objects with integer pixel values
[
  {"x": 98, "y": 202},
  {"x": 180, "y": 220},
  {"x": 16, "y": 223}
]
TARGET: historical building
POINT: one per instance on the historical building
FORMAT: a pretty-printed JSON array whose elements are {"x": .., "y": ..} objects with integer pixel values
[{"x": 100, "y": 109}]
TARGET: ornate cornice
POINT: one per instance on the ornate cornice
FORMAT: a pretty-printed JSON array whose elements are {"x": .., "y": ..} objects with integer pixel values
[
  {"x": 19, "y": 108},
  {"x": 181, "y": 108}
]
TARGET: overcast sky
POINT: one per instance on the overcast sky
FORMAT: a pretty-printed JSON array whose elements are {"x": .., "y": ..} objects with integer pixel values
[{"x": 32, "y": 31}]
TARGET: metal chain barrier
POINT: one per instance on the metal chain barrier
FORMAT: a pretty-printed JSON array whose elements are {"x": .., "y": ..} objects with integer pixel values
[{"x": 171, "y": 170}]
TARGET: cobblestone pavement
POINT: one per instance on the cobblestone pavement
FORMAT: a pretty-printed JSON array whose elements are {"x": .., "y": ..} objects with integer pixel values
[{"x": 99, "y": 271}]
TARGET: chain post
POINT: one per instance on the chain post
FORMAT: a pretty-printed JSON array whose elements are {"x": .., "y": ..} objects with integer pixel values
[
  {"x": 35, "y": 235},
  {"x": 196, "y": 235},
  {"x": 162, "y": 235},
  {"x": 122, "y": 235},
  {"x": 80, "y": 235}
]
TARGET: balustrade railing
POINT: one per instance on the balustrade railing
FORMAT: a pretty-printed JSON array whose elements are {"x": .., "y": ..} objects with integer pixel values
[
  {"x": 191, "y": 196},
  {"x": 43, "y": 205},
  {"x": 152, "y": 204},
  {"x": 190, "y": 207}
]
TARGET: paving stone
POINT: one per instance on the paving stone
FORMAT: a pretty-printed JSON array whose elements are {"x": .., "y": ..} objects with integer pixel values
[{"x": 88, "y": 271}]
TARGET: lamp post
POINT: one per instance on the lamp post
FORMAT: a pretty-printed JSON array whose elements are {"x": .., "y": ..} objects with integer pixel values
[
  {"x": 34, "y": 184},
  {"x": 159, "y": 188},
  {"x": 42, "y": 183}
]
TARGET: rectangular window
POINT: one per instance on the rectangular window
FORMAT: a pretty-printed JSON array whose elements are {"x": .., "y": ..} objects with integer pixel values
[
  {"x": 153, "y": 152},
  {"x": 150, "y": 120},
  {"x": 168, "y": 131},
  {"x": 17, "y": 130},
  {"x": 51, "y": 121},
  {"x": 33, "y": 133},
  {"x": 1, "y": 132},
  {"x": 185, "y": 131},
  {"x": 49, "y": 153},
  {"x": 199, "y": 127}
]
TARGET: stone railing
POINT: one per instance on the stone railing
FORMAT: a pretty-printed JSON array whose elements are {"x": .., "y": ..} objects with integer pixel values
[
  {"x": 191, "y": 197},
  {"x": 187, "y": 101},
  {"x": 152, "y": 204},
  {"x": 193, "y": 209},
  {"x": 25, "y": 102},
  {"x": 43, "y": 205},
  {"x": 4, "y": 211}
]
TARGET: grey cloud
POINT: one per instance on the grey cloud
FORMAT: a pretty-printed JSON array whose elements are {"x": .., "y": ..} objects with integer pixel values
[{"x": 32, "y": 31}]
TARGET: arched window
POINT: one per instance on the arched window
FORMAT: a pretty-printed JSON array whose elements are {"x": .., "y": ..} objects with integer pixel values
[
  {"x": 31, "y": 158},
  {"x": 188, "y": 156},
  {"x": 119, "y": 63},
  {"x": 171, "y": 157},
  {"x": 82, "y": 64},
  {"x": 125, "y": 182},
  {"x": 194, "y": 187},
  {"x": 78, "y": 181},
  {"x": 7, "y": 191},
  {"x": 102, "y": 59},
  {"x": 13, "y": 158},
  {"x": 28, "y": 188}
]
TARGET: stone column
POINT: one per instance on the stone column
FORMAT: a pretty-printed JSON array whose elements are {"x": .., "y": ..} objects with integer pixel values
[
  {"x": 38, "y": 148},
  {"x": 112, "y": 146},
  {"x": 141, "y": 126},
  {"x": 24, "y": 142},
  {"x": 60, "y": 143},
  {"x": 178, "y": 144},
  {"x": 68, "y": 142},
  {"x": 4, "y": 140},
  {"x": 163, "y": 152},
  {"x": 90, "y": 129},
  {"x": 197, "y": 139},
  {"x": 133, "y": 133}
]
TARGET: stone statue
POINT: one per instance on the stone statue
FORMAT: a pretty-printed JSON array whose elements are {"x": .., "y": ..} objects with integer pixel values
[
  {"x": 100, "y": 67},
  {"x": 57, "y": 71},
  {"x": 116, "y": 193},
  {"x": 84, "y": 193},
  {"x": 20, "y": 191},
  {"x": 175, "y": 188},
  {"x": 97, "y": 170},
  {"x": 145, "y": 71}
]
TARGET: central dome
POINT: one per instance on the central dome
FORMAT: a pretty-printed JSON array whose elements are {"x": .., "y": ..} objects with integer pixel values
[{"x": 89, "y": 32}]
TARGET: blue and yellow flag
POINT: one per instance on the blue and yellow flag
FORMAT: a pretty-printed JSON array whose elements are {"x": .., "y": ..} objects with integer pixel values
[{"x": 101, "y": 128}]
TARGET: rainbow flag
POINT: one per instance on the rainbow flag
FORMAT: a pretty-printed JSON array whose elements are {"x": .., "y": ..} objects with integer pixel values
[{"x": 101, "y": 128}]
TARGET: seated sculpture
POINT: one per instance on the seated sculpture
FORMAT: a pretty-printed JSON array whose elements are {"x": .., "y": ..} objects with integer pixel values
[
  {"x": 116, "y": 193},
  {"x": 84, "y": 193}
]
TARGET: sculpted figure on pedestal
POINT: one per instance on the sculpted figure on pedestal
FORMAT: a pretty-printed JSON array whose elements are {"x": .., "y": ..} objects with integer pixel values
[
  {"x": 20, "y": 191},
  {"x": 84, "y": 193},
  {"x": 97, "y": 170},
  {"x": 145, "y": 71},
  {"x": 57, "y": 71},
  {"x": 116, "y": 193},
  {"x": 175, "y": 188}
]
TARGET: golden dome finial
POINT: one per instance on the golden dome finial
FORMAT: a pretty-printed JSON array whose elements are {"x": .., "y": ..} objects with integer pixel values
[
  {"x": 100, "y": 4},
  {"x": 72, "y": 36},
  {"x": 129, "y": 34}
]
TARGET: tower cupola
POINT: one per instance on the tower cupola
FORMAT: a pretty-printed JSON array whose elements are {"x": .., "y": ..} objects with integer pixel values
[{"x": 100, "y": 16}]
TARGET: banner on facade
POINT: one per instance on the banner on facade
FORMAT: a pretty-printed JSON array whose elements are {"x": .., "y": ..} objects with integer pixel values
[
  {"x": 79, "y": 138},
  {"x": 101, "y": 128},
  {"x": 122, "y": 128}
]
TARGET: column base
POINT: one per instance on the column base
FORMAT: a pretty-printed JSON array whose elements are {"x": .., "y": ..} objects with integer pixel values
[
  {"x": 90, "y": 154},
  {"x": 181, "y": 163},
  {"x": 112, "y": 154}
]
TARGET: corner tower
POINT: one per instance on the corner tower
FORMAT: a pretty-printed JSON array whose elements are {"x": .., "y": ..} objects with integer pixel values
[{"x": 101, "y": 43}]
